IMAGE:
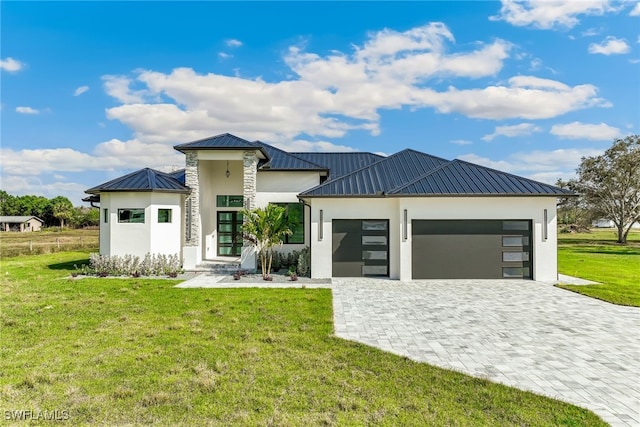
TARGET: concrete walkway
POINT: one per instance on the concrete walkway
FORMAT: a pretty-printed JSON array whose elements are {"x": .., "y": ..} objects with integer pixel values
[{"x": 525, "y": 334}]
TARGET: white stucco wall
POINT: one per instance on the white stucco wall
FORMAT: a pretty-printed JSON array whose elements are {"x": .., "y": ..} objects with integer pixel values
[
  {"x": 141, "y": 238},
  {"x": 529, "y": 208}
]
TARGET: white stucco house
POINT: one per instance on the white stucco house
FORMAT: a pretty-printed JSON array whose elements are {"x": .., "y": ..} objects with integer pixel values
[{"x": 406, "y": 216}]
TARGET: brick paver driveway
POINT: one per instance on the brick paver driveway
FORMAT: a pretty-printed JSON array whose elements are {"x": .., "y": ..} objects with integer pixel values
[{"x": 524, "y": 334}]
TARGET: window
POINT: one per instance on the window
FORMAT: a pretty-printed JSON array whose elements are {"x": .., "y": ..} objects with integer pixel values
[
  {"x": 105, "y": 213},
  {"x": 164, "y": 216},
  {"x": 295, "y": 214},
  {"x": 131, "y": 215}
]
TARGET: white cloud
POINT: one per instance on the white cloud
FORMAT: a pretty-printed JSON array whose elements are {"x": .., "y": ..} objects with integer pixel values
[
  {"x": 119, "y": 88},
  {"x": 511, "y": 131},
  {"x": 27, "y": 110},
  {"x": 11, "y": 65},
  {"x": 23, "y": 185},
  {"x": 550, "y": 14},
  {"x": 304, "y": 145},
  {"x": 461, "y": 142},
  {"x": 233, "y": 43},
  {"x": 578, "y": 130},
  {"x": 225, "y": 55},
  {"x": 592, "y": 32},
  {"x": 610, "y": 46},
  {"x": 80, "y": 90},
  {"x": 635, "y": 11}
]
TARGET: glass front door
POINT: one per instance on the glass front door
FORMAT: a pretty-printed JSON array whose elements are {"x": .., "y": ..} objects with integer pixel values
[{"x": 229, "y": 234}]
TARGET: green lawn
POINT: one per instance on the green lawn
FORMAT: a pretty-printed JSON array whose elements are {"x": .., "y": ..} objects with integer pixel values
[
  {"x": 133, "y": 351},
  {"x": 595, "y": 256}
]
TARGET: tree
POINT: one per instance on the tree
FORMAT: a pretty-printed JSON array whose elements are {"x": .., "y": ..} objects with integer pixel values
[
  {"x": 62, "y": 209},
  {"x": 610, "y": 184},
  {"x": 264, "y": 229}
]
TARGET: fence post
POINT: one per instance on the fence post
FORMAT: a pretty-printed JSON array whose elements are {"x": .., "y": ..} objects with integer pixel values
[
  {"x": 30, "y": 245},
  {"x": 58, "y": 242},
  {"x": 81, "y": 243}
]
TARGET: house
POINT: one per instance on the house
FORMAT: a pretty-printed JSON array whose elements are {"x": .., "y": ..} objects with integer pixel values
[
  {"x": 406, "y": 216},
  {"x": 20, "y": 223},
  {"x": 608, "y": 223}
]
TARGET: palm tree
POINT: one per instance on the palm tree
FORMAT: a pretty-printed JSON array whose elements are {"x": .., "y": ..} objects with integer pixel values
[{"x": 265, "y": 228}]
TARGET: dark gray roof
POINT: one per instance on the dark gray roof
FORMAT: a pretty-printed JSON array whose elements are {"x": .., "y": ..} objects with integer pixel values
[
  {"x": 281, "y": 160},
  {"x": 411, "y": 173},
  {"x": 463, "y": 178},
  {"x": 225, "y": 141},
  {"x": 380, "y": 177},
  {"x": 340, "y": 164},
  {"x": 142, "y": 180},
  {"x": 178, "y": 175}
]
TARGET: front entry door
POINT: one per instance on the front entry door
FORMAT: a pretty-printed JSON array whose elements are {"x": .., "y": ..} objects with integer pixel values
[{"x": 229, "y": 233}]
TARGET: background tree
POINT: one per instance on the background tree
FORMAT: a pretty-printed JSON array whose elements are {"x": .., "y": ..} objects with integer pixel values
[
  {"x": 62, "y": 209},
  {"x": 610, "y": 184},
  {"x": 9, "y": 205},
  {"x": 264, "y": 229}
]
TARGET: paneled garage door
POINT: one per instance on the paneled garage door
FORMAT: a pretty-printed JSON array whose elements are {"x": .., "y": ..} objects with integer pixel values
[
  {"x": 360, "y": 247},
  {"x": 471, "y": 249}
]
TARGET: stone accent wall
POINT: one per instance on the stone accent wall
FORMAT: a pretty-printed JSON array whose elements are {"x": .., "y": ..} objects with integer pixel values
[
  {"x": 250, "y": 164},
  {"x": 192, "y": 181}
]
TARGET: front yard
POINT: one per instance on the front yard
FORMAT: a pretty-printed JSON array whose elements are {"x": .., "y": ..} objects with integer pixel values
[{"x": 137, "y": 351}]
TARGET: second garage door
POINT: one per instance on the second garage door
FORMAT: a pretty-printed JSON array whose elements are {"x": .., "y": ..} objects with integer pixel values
[{"x": 471, "y": 249}]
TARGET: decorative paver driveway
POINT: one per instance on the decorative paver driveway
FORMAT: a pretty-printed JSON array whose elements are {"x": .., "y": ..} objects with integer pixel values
[{"x": 524, "y": 334}]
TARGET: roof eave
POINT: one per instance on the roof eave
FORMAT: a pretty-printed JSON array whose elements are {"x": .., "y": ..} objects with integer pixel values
[{"x": 136, "y": 190}]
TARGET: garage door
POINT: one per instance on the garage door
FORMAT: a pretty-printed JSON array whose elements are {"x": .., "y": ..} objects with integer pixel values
[
  {"x": 471, "y": 249},
  {"x": 360, "y": 248}
]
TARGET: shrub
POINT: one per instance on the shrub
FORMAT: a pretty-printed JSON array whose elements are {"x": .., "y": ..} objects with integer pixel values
[
  {"x": 130, "y": 265},
  {"x": 304, "y": 262}
]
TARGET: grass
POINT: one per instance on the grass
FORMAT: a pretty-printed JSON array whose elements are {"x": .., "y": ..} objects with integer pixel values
[
  {"x": 596, "y": 256},
  {"x": 133, "y": 351},
  {"x": 47, "y": 241}
]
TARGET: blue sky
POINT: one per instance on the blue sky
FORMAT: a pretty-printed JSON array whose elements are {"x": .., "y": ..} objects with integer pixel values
[{"x": 94, "y": 90}]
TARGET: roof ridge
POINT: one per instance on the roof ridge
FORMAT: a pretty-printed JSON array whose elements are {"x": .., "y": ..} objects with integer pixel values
[
  {"x": 335, "y": 152},
  {"x": 421, "y": 177}
]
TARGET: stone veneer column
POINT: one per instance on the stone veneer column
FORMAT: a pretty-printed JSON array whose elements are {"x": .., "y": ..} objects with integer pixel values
[
  {"x": 192, "y": 181},
  {"x": 250, "y": 166},
  {"x": 250, "y": 172}
]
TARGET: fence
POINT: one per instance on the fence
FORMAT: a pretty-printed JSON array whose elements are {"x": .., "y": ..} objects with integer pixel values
[{"x": 35, "y": 247}]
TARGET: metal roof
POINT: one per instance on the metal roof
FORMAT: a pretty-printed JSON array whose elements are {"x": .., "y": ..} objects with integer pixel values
[
  {"x": 142, "y": 180},
  {"x": 463, "y": 178},
  {"x": 224, "y": 141},
  {"x": 178, "y": 175},
  {"x": 411, "y": 173},
  {"x": 18, "y": 219},
  {"x": 340, "y": 164},
  {"x": 379, "y": 178},
  {"x": 281, "y": 160}
]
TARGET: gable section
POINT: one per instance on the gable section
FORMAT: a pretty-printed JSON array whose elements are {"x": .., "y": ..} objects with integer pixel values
[
  {"x": 223, "y": 141},
  {"x": 380, "y": 177},
  {"x": 462, "y": 178}
]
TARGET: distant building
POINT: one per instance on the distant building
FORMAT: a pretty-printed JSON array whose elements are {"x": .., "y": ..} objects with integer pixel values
[
  {"x": 607, "y": 223},
  {"x": 20, "y": 223}
]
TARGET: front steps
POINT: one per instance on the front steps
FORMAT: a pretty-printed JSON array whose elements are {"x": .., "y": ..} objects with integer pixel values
[{"x": 222, "y": 266}]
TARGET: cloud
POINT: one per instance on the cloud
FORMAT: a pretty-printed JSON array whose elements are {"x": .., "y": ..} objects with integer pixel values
[
  {"x": 11, "y": 65},
  {"x": 225, "y": 55},
  {"x": 511, "y": 131},
  {"x": 635, "y": 11},
  {"x": 592, "y": 32},
  {"x": 233, "y": 43},
  {"x": 461, "y": 142},
  {"x": 80, "y": 90},
  {"x": 37, "y": 186},
  {"x": 304, "y": 145},
  {"x": 578, "y": 130},
  {"x": 610, "y": 46},
  {"x": 329, "y": 95},
  {"x": 27, "y": 110},
  {"x": 119, "y": 88},
  {"x": 550, "y": 14}
]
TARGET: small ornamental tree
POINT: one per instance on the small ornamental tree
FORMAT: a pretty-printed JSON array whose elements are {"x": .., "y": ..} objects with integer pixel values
[{"x": 265, "y": 228}]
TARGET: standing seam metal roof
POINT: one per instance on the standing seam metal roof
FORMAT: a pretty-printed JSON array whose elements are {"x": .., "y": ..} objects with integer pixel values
[
  {"x": 281, "y": 160},
  {"x": 339, "y": 164},
  {"x": 142, "y": 180}
]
